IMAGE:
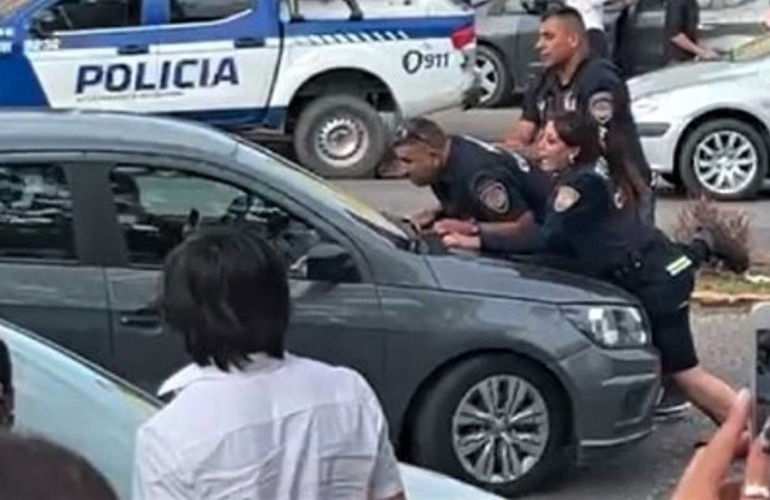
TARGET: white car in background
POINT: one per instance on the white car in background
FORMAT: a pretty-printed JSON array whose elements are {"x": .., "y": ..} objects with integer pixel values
[
  {"x": 704, "y": 125},
  {"x": 70, "y": 401}
]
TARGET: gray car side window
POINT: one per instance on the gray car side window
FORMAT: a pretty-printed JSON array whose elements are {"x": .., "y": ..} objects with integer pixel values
[
  {"x": 36, "y": 213},
  {"x": 158, "y": 207}
]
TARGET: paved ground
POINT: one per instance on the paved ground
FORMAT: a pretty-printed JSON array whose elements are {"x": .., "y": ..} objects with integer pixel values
[{"x": 650, "y": 470}]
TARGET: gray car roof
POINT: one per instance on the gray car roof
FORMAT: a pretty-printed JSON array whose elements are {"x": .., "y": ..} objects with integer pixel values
[{"x": 31, "y": 129}]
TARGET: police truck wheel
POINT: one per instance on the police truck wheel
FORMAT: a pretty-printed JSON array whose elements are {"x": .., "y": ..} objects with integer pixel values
[
  {"x": 725, "y": 159},
  {"x": 497, "y": 421},
  {"x": 340, "y": 136},
  {"x": 495, "y": 80}
]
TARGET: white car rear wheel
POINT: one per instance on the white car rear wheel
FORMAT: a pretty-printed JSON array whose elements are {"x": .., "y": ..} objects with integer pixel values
[{"x": 725, "y": 159}]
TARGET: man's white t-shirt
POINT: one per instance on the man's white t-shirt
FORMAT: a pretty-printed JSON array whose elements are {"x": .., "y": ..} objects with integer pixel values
[
  {"x": 280, "y": 429},
  {"x": 592, "y": 12}
]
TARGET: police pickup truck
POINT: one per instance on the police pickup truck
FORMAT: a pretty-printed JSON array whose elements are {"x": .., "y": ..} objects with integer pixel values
[{"x": 305, "y": 69}]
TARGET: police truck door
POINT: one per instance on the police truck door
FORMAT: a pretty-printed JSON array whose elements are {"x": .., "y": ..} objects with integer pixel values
[
  {"x": 219, "y": 57},
  {"x": 93, "y": 54}
]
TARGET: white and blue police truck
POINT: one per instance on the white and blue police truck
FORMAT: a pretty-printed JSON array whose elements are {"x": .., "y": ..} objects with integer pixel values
[{"x": 304, "y": 69}]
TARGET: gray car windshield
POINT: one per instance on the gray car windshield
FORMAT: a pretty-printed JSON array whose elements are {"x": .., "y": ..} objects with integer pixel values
[
  {"x": 311, "y": 183},
  {"x": 757, "y": 48},
  {"x": 8, "y": 7}
]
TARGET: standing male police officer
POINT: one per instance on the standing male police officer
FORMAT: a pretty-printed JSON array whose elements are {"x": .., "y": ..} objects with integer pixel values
[
  {"x": 480, "y": 188},
  {"x": 575, "y": 80}
]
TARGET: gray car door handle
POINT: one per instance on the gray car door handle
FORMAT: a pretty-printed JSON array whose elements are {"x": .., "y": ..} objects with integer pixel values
[{"x": 144, "y": 318}]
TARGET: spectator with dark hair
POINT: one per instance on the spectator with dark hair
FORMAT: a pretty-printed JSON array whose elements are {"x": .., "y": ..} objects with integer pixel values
[
  {"x": 32, "y": 468},
  {"x": 248, "y": 419}
]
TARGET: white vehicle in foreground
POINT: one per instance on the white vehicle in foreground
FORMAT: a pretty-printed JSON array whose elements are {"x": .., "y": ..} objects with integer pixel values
[
  {"x": 704, "y": 125},
  {"x": 70, "y": 401}
]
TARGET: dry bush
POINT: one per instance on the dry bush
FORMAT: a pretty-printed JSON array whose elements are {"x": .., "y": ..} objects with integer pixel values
[{"x": 705, "y": 212}]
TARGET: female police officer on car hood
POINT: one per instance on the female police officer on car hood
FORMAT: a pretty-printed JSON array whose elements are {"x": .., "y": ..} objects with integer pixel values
[{"x": 592, "y": 217}]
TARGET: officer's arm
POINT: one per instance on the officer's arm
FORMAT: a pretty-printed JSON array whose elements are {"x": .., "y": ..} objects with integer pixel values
[
  {"x": 524, "y": 132},
  {"x": 576, "y": 207},
  {"x": 499, "y": 201}
]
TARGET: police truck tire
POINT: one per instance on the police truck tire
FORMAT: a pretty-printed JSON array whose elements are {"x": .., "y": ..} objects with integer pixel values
[
  {"x": 747, "y": 145},
  {"x": 433, "y": 433},
  {"x": 340, "y": 136}
]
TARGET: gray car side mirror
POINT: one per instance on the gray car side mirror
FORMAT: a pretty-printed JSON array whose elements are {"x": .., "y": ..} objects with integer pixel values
[{"x": 329, "y": 262}]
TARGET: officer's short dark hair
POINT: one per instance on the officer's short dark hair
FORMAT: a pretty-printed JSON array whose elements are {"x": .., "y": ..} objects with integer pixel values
[
  {"x": 420, "y": 130},
  {"x": 32, "y": 467},
  {"x": 577, "y": 130},
  {"x": 566, "y": 13},
  {"x": 226, "y": 291}
]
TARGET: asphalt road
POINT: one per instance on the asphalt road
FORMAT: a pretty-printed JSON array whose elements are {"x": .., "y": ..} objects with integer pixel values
[{"x": 650, "y": 470}]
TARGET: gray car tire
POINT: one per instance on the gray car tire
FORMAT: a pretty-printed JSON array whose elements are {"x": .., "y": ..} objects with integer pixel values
[
  {"x": 703, "y": 131},
  {"x": 432, "y": 444},
  {"x": 502, "y": 91},
  {"x": 317, "y": 123}
]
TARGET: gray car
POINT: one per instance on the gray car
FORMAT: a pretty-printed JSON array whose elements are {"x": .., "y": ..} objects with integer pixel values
[{"x": 489, "y": 370}]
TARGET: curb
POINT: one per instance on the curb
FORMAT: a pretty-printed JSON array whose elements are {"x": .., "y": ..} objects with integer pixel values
[{"x": 717, "y": 299}]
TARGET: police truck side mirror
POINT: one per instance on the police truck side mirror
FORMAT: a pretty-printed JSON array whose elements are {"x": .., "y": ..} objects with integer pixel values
[{"x": 43, "y": 23}]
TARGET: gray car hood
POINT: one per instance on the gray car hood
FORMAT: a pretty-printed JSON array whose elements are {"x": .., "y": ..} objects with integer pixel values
[
  {"x": 688, "y": 75},
  {"x": 504, "y": 278}
]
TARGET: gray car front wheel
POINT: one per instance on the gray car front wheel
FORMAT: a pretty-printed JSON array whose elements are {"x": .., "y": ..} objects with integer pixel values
[
  {"x": 497, "y": 421},
  {"x": 725, "y": 159}
]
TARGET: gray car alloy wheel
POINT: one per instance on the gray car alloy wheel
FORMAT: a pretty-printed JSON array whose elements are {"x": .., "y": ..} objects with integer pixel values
[
  {"x": 725, "y": 162},
  {"x": 342, "y": 141},
  {"x": 500, "y": 429}
]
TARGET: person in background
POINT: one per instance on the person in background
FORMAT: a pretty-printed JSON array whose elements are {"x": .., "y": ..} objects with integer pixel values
[
  {"x": 593, "y": 216},
  {"x": 480, "y": 188},
  {"x": 247, "y": 419},
  {"x": 680, "y": 33},
  {"x": 592, "y": 14},
  {"x": 32, "y": 468}
]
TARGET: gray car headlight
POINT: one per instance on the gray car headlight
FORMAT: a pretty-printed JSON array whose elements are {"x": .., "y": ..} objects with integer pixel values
[{"x": 613, "y": 327}]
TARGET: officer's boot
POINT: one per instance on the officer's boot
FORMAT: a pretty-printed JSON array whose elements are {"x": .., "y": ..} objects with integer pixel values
[{"x": 720, "y": 245}]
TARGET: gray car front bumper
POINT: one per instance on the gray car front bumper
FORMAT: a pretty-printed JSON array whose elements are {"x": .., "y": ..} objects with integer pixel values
[{"x": 613, "y": 397}]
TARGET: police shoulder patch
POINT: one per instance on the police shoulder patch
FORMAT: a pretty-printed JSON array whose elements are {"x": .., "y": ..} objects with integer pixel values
[
  {"x": 566, "y": 197},
  {"x": 601, "y": 105},
  {"x": 493, "y": 195}
]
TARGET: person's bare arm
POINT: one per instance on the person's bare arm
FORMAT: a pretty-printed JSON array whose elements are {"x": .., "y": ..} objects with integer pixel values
[
  {"x": 522, "y": 134},
  {"x": 683, "y": 42}
]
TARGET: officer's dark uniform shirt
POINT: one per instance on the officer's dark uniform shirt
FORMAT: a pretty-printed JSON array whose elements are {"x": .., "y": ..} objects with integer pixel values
[
  {"x": 596, "y": 88},
  {"x": 487, "y": 184},
  {"x": 587, "y": 219},
  {"x": 682, "y": 16}
]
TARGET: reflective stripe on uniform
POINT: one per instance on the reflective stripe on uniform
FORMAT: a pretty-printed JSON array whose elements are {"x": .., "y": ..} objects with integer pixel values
[{"x": 678, "y": 265}]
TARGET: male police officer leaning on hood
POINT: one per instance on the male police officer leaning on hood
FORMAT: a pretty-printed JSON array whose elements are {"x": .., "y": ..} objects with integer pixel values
[
  {"x": 574, "y": 80},
  {"x": 481, "y": 189}
]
